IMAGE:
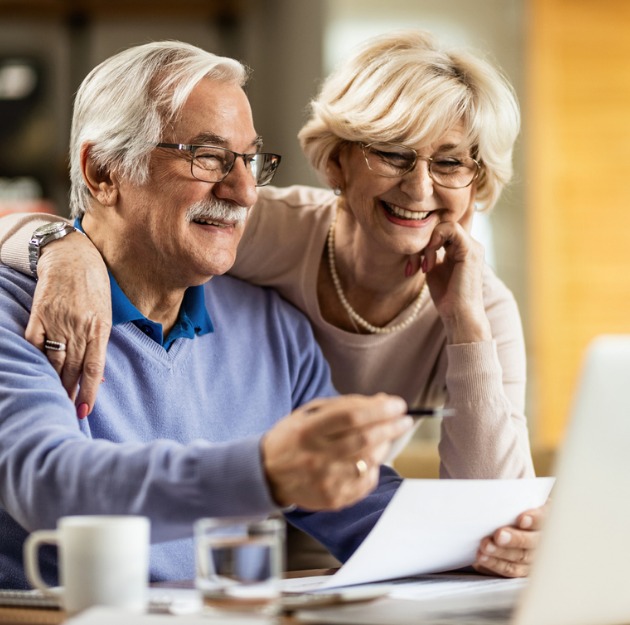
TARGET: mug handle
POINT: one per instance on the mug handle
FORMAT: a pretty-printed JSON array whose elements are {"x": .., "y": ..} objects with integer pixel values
[{"x": 31, "y": 549}]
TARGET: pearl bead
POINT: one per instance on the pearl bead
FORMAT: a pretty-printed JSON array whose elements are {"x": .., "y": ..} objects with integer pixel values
[{"x": 354, "y": 315}]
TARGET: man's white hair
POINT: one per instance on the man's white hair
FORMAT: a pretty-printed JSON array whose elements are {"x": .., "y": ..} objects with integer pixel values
[{"x": 124, "y": 103}]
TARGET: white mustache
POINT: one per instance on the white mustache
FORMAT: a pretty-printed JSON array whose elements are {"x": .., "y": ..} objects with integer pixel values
[{"x": 216, "y": 210}]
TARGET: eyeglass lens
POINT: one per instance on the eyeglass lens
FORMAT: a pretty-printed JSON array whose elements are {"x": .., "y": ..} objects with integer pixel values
[
  {"x": 392, "y": 160},
  {"x": 213, "y": 164}
]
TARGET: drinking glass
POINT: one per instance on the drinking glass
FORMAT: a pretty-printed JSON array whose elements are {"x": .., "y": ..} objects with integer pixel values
[{"x": 239, "y": 563}]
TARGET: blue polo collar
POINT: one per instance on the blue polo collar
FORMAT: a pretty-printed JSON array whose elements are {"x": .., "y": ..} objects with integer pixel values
[{"x": 193, "y": 319}]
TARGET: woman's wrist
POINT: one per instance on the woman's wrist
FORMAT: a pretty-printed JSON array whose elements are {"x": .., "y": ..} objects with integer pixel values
[
  {"x": 468, "y": 327},
  {"x": 15, "y": 233},
  {"x": 55, "y": 249},
  {"x": 73, "y": 253}
]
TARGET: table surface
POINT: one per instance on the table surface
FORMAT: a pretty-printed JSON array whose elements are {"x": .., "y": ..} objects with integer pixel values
[{"x": 47, "y": 616}]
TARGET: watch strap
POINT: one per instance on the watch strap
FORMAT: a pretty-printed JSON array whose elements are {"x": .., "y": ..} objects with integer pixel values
[{"x": 40, "y": 240}]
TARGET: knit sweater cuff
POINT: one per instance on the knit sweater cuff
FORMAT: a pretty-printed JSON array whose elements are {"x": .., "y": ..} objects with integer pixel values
[
  {"x": 473, "y": 372},
  {"x": 15, "y": 233}
]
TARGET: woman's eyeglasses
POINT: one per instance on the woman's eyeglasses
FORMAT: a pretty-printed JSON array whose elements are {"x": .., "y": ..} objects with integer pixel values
[{"x": 392, "y": 160}]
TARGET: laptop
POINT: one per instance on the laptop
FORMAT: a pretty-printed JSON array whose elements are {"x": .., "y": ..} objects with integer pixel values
[{"x": 581, "y": 570}]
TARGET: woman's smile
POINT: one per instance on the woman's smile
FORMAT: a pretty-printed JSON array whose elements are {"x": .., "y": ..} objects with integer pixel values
[{"x": 405, "y": 217}]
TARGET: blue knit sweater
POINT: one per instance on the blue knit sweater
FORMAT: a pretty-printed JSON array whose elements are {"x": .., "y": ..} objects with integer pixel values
[{"x": 175, "y": 435}]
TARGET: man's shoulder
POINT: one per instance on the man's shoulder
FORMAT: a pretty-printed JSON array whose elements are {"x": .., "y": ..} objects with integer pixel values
[
  {"x": 244, "y": 299},
  {"x": 12, "y": 275},
  {"x": 230, "y": 287},
  {"x": 16, "y": 284},
  {"x": 16, "y": 299},
  {"x": 257, "y": 318}
]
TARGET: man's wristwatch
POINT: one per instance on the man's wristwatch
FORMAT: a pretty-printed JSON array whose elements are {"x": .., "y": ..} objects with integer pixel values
[{"x": 43, "y": 236}]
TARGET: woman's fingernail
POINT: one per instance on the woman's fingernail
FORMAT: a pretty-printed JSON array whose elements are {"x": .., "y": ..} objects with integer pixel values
[
  {"x": 490, "y": 548},
  {"x": 82, "y": 410},
  {"x": 102, "y": 380},
  {"x": 503, "y": 538},
  {"x": 424, "y": 265},
  {"x": 409, "y": 269},
  {"x": 526, "y": 522}
]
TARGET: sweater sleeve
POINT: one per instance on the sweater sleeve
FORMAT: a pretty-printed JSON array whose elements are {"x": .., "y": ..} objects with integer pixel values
[
  {"x": 15, "y": 233},
  {"x": 342, "y": 531},
  {"x": 488, "y": 436},
  {"x": 51, "y": 467}
]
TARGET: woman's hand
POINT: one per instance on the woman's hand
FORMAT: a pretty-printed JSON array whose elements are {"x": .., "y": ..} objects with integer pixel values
[
  {"x": 72, "y": 305},
  {"x": 453, "y": 263},
  {"x": 509, "y": 552}
]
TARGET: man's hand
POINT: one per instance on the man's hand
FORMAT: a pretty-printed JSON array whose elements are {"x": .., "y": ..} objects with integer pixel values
[
  {"x": 509, "y": 552},
  {"x": 72, "y": 305},
  {"x": 326, "y": 455}
]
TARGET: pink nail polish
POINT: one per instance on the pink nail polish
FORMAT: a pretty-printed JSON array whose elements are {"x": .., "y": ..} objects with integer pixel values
[
  {"x": 82, "y": 411},
  {"x": 408, "y": 269}
]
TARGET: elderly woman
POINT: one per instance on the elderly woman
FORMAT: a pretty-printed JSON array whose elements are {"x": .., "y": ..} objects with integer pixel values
[{"x": 413, "y": 140}]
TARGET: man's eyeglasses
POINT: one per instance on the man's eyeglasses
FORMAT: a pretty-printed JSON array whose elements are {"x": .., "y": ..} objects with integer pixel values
[
  {"x": 392, "y": 160},
  {"x": 211, "y": 163}
]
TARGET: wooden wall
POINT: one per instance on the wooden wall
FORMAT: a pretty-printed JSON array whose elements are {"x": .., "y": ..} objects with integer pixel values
[{"x": 578, "y": 192}]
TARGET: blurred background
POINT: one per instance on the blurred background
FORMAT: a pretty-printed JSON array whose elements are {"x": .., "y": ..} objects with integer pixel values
[{"x": 560, "y": 235}]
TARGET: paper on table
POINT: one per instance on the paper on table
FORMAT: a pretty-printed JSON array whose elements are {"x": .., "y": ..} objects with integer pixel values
[
  {"x": 449, "y": 585},
  {"x": 437, "y": 525}
]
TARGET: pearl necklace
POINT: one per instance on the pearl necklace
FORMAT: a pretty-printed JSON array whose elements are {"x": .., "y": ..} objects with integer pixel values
[{"x": 352, "y": 313}]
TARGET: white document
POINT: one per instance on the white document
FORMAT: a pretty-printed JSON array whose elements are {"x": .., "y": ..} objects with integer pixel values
[
  {"x": 437, "y": 525},
  {"x": 448, "y": 585},
  {"x": 443, "y": 599}
]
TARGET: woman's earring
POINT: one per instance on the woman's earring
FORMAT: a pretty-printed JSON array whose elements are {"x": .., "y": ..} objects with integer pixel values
[{"x": 337, "y": 191}]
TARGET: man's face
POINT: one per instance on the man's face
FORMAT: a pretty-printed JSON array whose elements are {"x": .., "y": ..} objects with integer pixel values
[{"x": 185, "y": 230}]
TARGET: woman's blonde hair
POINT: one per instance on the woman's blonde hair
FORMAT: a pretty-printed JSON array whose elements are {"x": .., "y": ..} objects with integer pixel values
[{"x": 403, "y": 87}]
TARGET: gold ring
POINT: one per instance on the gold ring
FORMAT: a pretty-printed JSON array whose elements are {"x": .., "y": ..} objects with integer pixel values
[{"x": 361, "y": 467}]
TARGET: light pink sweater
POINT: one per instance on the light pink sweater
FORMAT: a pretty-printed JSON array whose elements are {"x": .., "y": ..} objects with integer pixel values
[{"x": 484, "y": 382}]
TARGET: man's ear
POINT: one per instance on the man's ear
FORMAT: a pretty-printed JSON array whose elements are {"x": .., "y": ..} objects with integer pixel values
[{"x": 101, "y": 183}]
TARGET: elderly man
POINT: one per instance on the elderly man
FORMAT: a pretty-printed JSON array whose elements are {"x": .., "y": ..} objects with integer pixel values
[{"x": 190, "y": 420}]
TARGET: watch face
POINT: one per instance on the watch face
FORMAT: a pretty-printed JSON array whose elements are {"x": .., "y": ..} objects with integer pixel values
[{"x": 47, "y": 229}]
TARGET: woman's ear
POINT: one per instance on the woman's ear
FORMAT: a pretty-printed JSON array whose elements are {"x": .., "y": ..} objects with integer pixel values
[
  {"x": 337, "y": 166},
  {"x": 334, "y": 171},
  {"x": 99, "y": 182}
]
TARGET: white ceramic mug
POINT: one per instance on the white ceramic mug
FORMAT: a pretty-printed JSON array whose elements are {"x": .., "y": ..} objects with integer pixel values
[{"x": 103, "y": 560}]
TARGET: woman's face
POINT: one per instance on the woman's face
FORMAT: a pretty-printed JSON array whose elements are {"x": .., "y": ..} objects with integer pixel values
[{"x": 400, "y": 213}]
